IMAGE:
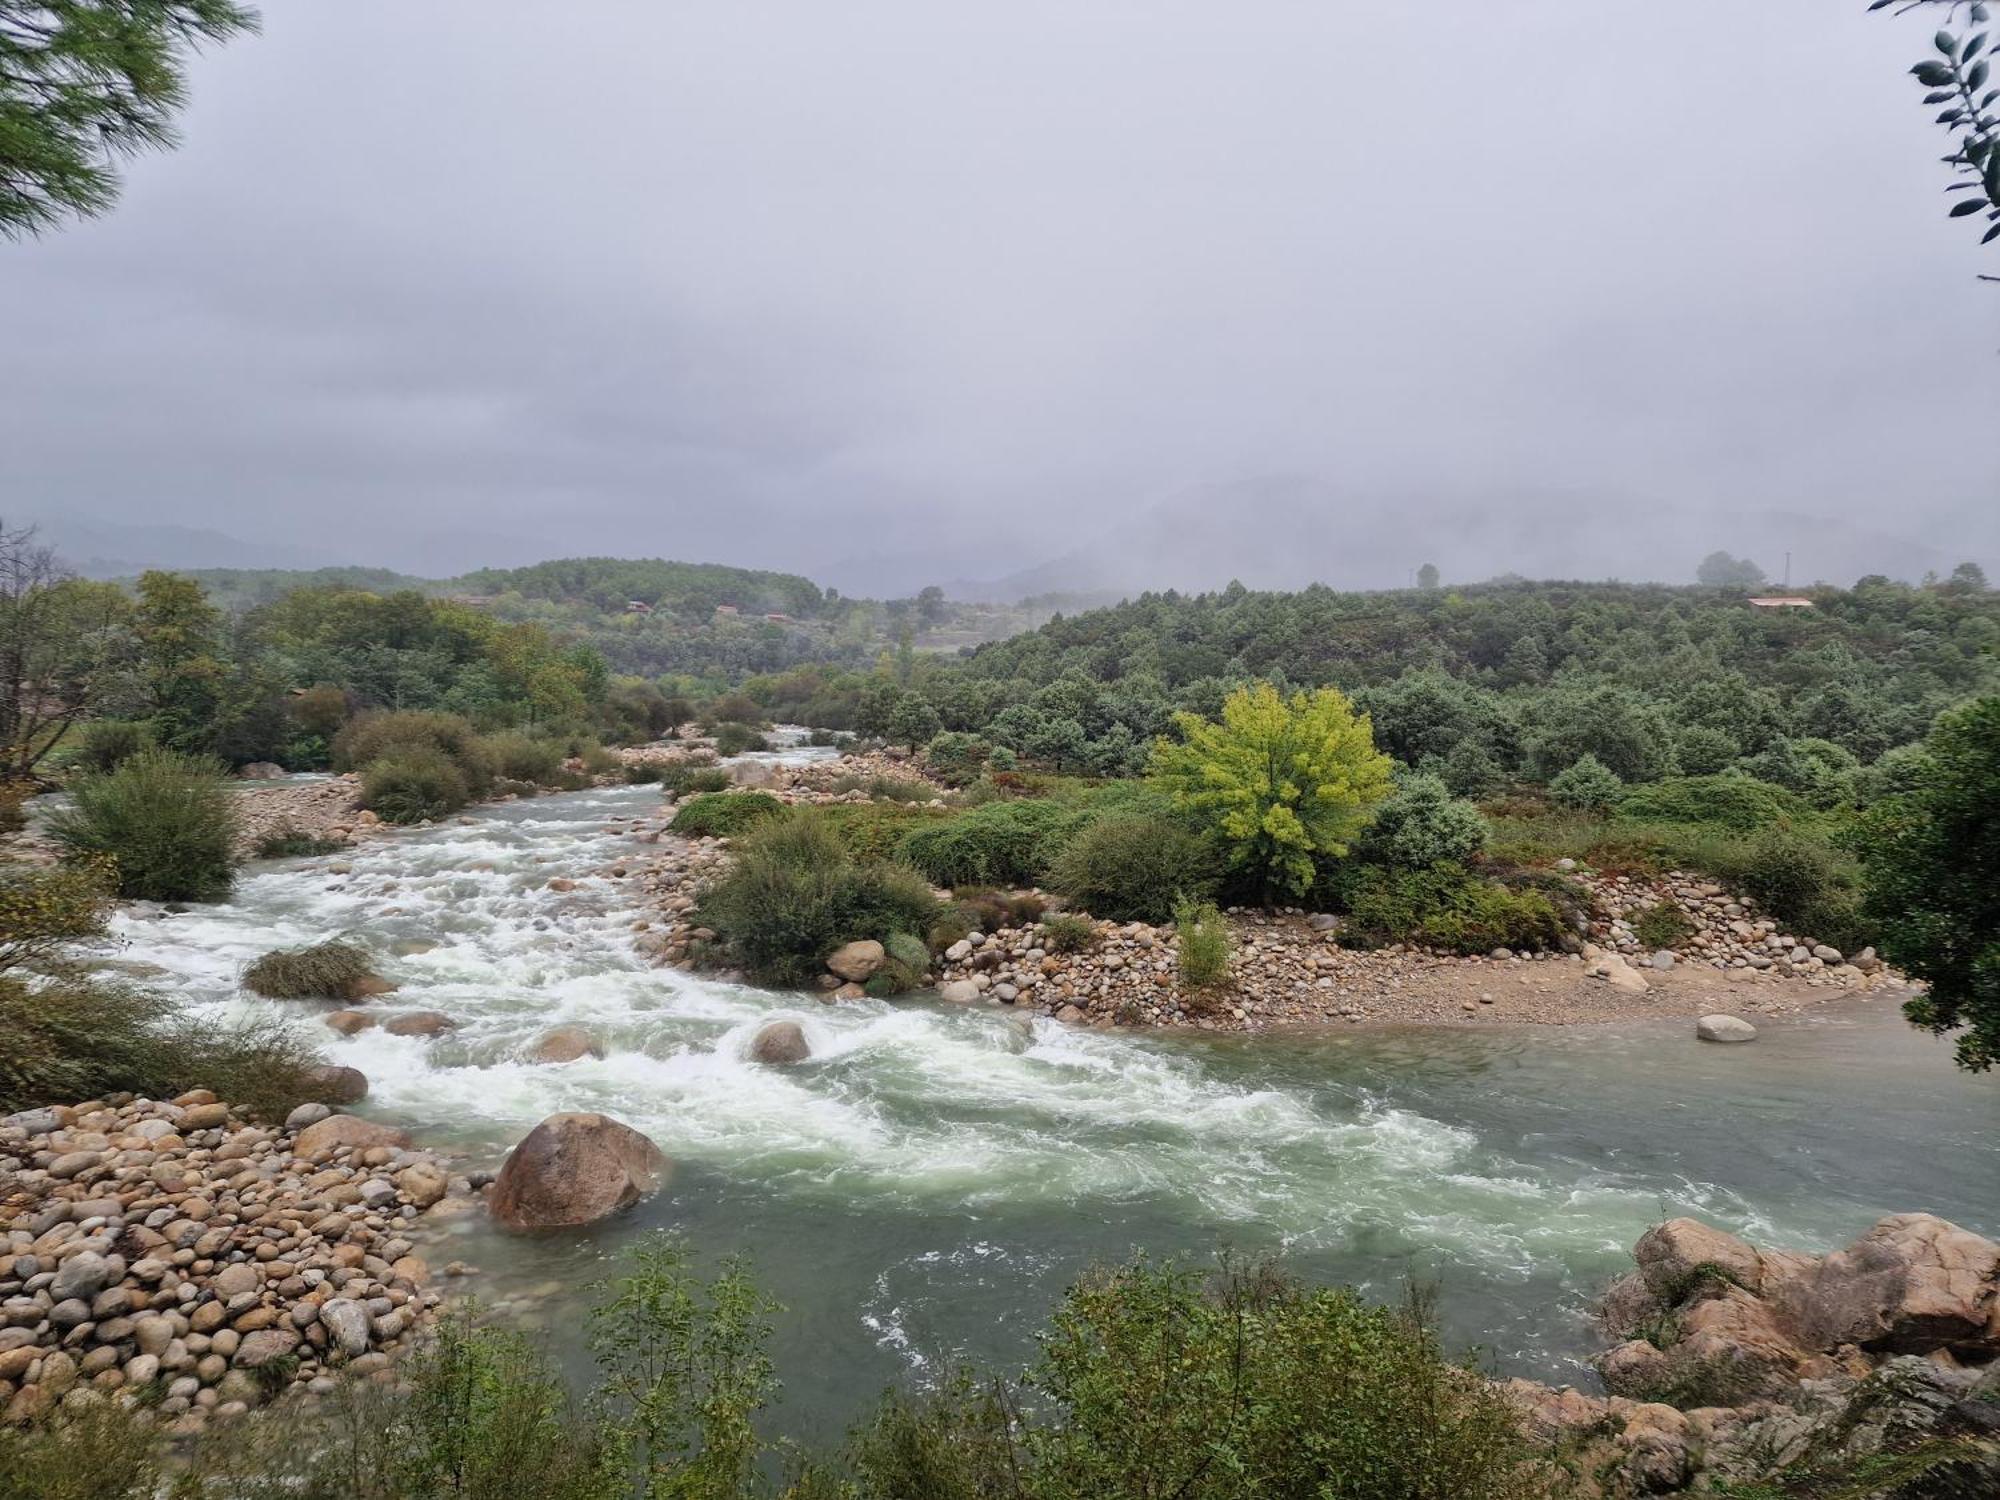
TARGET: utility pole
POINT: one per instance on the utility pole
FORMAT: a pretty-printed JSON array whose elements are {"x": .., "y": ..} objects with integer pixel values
[{"x": 1788, "y": 571}]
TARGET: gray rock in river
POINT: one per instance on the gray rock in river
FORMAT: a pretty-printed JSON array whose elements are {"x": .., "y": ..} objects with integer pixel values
[{"x": 1721, "y": 1028}]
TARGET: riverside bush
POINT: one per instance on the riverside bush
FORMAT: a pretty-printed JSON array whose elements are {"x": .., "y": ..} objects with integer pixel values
[
  {"x": 1663, "y": 925},
  {"x": 1205, "y": 944},
  {"x": 325, "y": 971},
  {"x": 70, "y": 1039},
  {"x": 793, "y": 894},
  {"x": 737, "y": 739},
  {"x": 413, "y": 784},
  {"x": 164, "y": 821},
  {"x": 1444, "y": 906},
  {"x": 685, "y": 778},
  {"x": 522, "y": 757},
  {"x": 374, "y": 736},
  {"x": 997, "y": 843},
  {"x": 724, "y": 814},
  {"x": 109, "y": 743},
  {"x": 1131, "y": 868},
  {"x": 1588, "y": 785},
  {"x": 293, "y": 843},
  {"x": 44, "y": 912},
  {"x": 1067, "y": 933}
]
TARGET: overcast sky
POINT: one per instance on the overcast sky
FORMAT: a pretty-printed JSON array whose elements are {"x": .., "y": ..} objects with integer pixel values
[{"x": 894, "y": 287}]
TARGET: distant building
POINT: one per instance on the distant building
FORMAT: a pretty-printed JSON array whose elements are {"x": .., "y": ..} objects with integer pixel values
[
  {"x": 725, "y": 609},
  {"x": 779, "y": 619},
  {"x": 1782, "y": 601},
  {"x": 637, "y": 607}
]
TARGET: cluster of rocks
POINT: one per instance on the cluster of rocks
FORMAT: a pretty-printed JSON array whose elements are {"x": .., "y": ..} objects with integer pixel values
[
  {"x": 1722, "y": 930},
  {"x": 172, "y": 1251},
  {"x": 328, "y": 809},
  {"x": 1738, "y": 1363}
]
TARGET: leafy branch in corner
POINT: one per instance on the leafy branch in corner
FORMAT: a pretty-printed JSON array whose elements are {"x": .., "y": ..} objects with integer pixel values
[{"x": 1957, "y": 79}]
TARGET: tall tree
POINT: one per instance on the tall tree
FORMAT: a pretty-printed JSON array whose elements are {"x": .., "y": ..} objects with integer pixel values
[
  {"x": 180, "y": 648},
  {"x": 84, "y": 82},
  {"x": 62, "y": 643}
]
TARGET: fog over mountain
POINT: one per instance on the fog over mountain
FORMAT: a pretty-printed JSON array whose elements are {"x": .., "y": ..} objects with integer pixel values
[{"x": 1025, "y": 297}]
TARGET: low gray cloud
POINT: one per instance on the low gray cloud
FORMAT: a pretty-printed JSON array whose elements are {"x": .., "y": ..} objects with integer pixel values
[{"x": 890, "y": 291}]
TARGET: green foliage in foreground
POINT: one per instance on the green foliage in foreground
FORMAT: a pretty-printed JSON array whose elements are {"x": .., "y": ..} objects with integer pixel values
[
  {"x": 162, "y": 820},
  {"x": 1153, "y": 1381},
  {"x": 1933, "y": 881},
  {"x": 997, "y": 843},
  {"x": 793, "y": 894}
]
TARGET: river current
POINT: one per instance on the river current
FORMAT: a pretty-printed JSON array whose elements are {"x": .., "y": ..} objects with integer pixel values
[{"x": 924, "y": 1187}]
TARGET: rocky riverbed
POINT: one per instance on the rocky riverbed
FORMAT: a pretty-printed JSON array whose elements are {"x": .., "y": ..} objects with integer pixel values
[{"x": 172, "y": 1249}]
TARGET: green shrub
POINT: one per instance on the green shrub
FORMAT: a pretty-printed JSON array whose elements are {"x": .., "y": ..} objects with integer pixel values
[
  {"x": 108, "y": 743},
  {"x": 43, "y": 913},
  {"x": 905, "y": 965},
  {"x": 722, "y": 815},
  {"x": 736, "y": 739},
  {"x": 793, "y": 894},
  {"x": 999, "y": 843},
  {"x": 325, "y": 971},
  {"x": 957, "y": 759},
  {"x": 163, "y": 820},
  {"x": 1065, "y": 933},
  {"x": 293, "y": 843},
  {"x": 522, "y": 757},
  {"x": 872, "y": 830},
  {"x": 1423, "y": 824},
  {"x": 413, "y": 784},
  {"x": 1444, "y": 906},
  {"x": 885, "y": 788},
  {"x": 68, "y": 1040},
  {"x": 1205, "y": 944},
  {"x": 1740, "y": 803},
  {"x": 1663, "y": 925},
  {"x": 1162, "y": 1382},
  {"x": 1130, "y": 868},
  {"x": 689, "y": 778},
  {"x": 1589, "y": 785},
  {"x": 375, "y": 736}
]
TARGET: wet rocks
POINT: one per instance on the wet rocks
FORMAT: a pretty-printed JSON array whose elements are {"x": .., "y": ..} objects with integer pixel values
[
  {"x": 1722, "y": 1028},
  {"x": 426, "y": 1023},
  {"x": 348, "y": 1022},
  {"x": 335, "y": 1084},
  {"x": 201, "y": 1256},
  {"x": 347, "y": 1133},
  {"x": 565, "y": 1044},
  {"x": 574, "y": 1169},
  {"x": 780, "y": 1043}
]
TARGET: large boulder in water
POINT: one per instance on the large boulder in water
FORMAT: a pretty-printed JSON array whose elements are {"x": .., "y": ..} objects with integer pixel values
[
  {"x": 565, "y": 1044},
  {"x": 1722, "y": 1028},
  {"x": 346, "y": 1131},
  {"x": 574, "y": 1169},
  {"x": 420, "y": 1023},
  {"x": 780, "y": 1042}
]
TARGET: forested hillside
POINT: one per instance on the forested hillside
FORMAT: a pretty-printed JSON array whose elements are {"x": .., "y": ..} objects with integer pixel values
[{"x": 1512, "y": 679}]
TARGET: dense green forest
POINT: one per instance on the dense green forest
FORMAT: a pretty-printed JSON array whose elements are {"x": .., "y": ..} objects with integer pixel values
[{"x": 1498, "y": 682}]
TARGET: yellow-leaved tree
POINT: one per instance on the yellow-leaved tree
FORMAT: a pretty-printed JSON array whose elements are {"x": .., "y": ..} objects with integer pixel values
[{"x": 1283, "y": 782}]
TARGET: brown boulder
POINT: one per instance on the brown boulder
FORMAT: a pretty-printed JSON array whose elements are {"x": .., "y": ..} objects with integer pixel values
[
  {"x": 338, "y": 1131},
  {"x": 1674, "y": 1255},
  {"x": 857, "y": 962},
  {"x": 347, "y": 1022},
  {"x": 1913, "y": 1284},
  {"x": 564, "y": 1044},
  {"x": 420, "y": 1023},
  {"x": 780, "y": 1042},
  {"x": 332, "y": 1084},
  {"x": 574, "y": 1169}
]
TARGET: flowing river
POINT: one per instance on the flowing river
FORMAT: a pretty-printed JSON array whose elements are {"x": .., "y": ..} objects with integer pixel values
[{"x": 924, "y": 1187}]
